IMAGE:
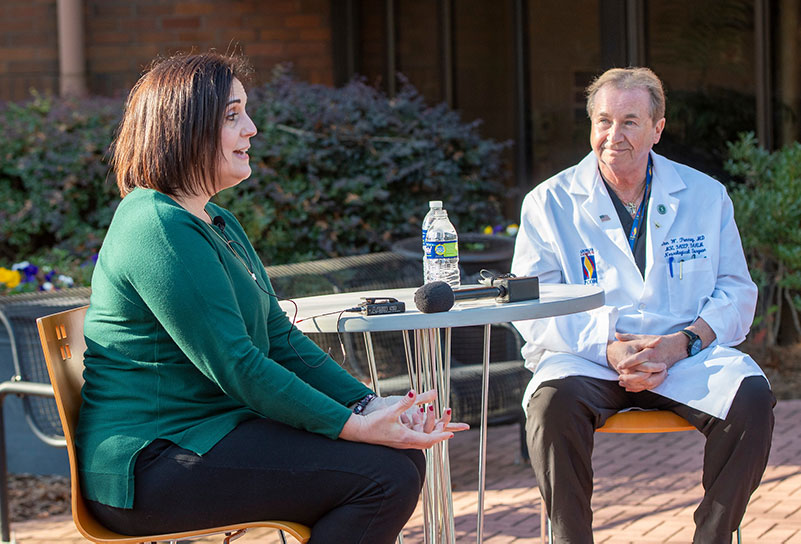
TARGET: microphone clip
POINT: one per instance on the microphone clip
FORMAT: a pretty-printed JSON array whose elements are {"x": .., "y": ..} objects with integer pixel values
[{"x": 511, "y": 288}]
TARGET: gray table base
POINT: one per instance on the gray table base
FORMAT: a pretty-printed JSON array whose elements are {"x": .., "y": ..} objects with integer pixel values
[{"x": 429, "y": 368}]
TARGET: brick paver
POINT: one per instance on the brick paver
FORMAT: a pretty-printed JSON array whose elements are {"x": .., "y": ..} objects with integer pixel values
[{"x": 646, "y": 488}]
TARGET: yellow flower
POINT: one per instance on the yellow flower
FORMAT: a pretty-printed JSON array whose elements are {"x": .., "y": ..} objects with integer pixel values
[
  {"x": 488, "y": 229},
  {"x": 10, "y": 277}
]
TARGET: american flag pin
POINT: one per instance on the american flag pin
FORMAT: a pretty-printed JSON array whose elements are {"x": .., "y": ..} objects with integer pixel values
[{"x": 605, "y": 218}]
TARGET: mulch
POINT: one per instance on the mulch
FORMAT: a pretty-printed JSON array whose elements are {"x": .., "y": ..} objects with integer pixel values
[{"x": 35, "y": 496}]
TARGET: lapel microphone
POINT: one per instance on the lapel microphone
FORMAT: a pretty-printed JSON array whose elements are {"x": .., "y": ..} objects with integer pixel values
[{"x": 219, "y": 222}]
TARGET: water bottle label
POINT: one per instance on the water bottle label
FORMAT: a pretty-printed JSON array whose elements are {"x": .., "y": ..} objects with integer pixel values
[
  {"x": 442, "y": 250},
  {"x": 424, "y": 236}
]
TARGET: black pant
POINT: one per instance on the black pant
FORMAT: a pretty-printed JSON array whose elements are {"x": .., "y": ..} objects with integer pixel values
[
  {"x": 562, "y": 418},
  {"x": 347, "y": 492}
]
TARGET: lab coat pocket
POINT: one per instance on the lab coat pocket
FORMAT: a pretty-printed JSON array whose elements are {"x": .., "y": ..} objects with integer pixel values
[{"x": 689, "y": 282}]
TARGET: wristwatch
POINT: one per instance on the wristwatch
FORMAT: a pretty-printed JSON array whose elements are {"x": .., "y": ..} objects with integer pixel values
[{"x": 693, "y": 342}]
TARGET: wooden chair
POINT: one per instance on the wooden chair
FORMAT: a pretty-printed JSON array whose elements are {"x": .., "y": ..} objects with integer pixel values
[
  {"x": 63, "y": 344},
  {"x": 633, "y": 422}
]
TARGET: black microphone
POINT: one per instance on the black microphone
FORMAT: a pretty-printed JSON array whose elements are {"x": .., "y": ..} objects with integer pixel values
[
  {"x": 438, "y": 296},
  {"x": 219, "y": 222},
  {"x": 434, "y": 297}
]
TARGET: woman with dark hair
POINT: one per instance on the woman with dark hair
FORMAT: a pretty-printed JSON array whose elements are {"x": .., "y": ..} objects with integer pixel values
[{"x": 203, "y": 405}]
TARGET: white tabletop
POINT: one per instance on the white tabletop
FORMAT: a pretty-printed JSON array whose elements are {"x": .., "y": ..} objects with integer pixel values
[{"x": 555, "y": 299}]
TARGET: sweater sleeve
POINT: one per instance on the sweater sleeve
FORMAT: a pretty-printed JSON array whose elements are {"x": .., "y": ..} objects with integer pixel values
[
  {"x": 291, "y": 347},
  {"x": 302, "y": 356},
  {"x": 211, "y": 310}
]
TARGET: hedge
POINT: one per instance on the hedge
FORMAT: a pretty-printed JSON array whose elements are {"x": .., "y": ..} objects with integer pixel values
[{"x": 336, "y": 171}]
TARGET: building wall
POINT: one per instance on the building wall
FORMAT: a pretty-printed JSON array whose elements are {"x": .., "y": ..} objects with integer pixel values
[
  {"x": 122, "y": 37},
  {"x": 28, "y": 47}
]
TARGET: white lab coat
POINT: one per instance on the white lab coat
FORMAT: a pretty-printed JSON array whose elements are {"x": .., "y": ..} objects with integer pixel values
[{"x": 695, "y": 267}]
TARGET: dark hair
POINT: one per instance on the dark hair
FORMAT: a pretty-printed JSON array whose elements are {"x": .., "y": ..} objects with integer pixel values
[
  {"x": 631, "y": 78},
  {"x": 169, "y": 136}
]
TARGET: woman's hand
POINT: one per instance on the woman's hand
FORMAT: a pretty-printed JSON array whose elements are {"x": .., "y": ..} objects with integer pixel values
[
  {"x": 399, "y": 423},
  {"x": 415, "y": 415}
]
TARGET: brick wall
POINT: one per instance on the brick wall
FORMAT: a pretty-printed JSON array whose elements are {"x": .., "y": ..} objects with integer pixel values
[
  {"x": 28, "y": 47},
  {"x": 122, "y": 37}
]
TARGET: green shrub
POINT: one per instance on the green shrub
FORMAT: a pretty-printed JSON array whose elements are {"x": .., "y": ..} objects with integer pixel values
[
  {"x": 348, "y": 171},
  {"x": 53, "y": 187},
  {"x": 768, "y": 211},
  {"x": 335, "y": 172}
]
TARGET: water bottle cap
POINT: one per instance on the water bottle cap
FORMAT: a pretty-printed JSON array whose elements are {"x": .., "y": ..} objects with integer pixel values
[{"x": 434, "y": 203}]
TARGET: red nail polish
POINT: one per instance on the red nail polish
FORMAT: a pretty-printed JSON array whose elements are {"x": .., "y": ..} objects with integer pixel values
[
  {"x": 430, "y": 408},
  {"x": 411, "y": 394},
  {"x": 422, "y": 408},
  {"x": 448, "y": 411}
]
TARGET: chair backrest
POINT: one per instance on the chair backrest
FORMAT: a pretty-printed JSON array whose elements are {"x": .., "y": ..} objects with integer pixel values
[
  {"x": 63, "y": 346},
  {"x": 18, "y": 313}
]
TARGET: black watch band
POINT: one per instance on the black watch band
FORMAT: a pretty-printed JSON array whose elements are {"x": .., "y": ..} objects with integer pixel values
[{"x": 694, "y": 342}]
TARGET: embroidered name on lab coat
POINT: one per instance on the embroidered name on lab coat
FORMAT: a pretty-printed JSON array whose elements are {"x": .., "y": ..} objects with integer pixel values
[
  {"x": 588, "y": 266},
  {"x": 684, "y": 248}
]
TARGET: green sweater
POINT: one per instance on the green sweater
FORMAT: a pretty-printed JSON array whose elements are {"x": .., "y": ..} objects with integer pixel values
[{"x": 183, "y": 345}]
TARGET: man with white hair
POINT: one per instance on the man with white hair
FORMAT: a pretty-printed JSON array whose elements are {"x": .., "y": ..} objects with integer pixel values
[{"x": 660, "y": 239}]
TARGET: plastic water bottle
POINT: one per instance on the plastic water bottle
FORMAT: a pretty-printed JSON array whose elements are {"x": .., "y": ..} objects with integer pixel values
[
  {"x": 441, "y": 252},
  {"x": 433, "y": 207}
]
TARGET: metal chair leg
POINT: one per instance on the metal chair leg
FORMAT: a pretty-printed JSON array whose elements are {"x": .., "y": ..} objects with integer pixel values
[{"x": 550, "y": 531}]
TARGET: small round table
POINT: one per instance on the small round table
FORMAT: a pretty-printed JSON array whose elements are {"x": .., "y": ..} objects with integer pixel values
[{"x": 429, "y": 363}]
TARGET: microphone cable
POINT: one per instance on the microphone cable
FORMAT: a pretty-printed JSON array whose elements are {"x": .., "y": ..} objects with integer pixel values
[
  {"x": 219, "y": 222},
  {"x": 355, "y": 309}
]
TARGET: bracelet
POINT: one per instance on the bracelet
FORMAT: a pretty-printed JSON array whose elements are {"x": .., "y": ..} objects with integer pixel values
[{"x": 362, "y": 404}]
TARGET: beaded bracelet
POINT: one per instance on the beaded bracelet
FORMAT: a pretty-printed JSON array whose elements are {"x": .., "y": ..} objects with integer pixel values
[{"x": 362, "y": 404}]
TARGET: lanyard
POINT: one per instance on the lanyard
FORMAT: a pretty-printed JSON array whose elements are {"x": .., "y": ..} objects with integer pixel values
[{"x": 649, "y": 173}]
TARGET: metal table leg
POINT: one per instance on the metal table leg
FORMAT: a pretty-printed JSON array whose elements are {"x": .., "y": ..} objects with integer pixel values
[
  {"x": 429, "y": 367},
  {"x": 373, "y": 369},
  {"x": 482, "y": 445}
]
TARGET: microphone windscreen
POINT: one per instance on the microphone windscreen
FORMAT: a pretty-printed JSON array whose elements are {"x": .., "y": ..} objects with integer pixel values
[
  {"x": 219, "y": 222},
  {"x": 434, "y": 297}
]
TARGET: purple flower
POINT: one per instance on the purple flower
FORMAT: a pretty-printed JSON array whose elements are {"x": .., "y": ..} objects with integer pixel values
[{"x": 30, "y": 272}]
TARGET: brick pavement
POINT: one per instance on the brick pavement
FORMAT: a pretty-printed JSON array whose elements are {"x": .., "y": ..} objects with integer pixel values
[{"x": 646, "y": 488}]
